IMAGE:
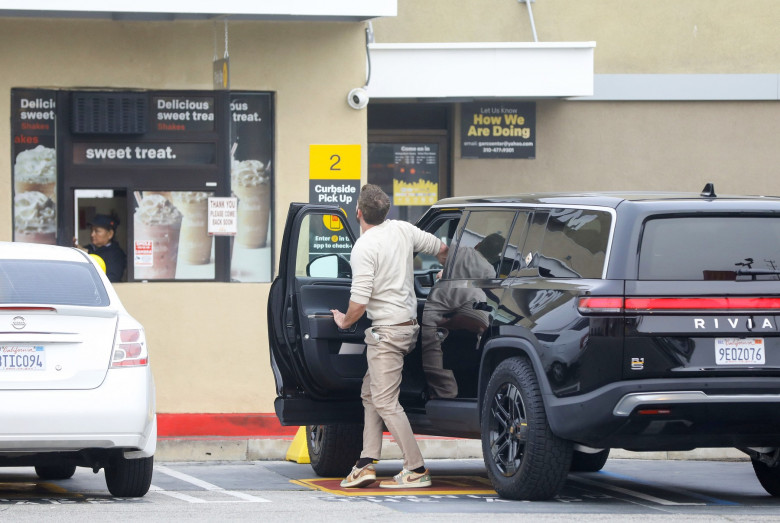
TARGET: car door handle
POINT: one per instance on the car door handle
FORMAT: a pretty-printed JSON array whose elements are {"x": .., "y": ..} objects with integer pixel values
[{"x": 322, "y": 316}]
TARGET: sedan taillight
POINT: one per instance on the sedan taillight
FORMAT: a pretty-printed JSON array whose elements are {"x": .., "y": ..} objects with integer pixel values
[{"x": 130, "y": 349}]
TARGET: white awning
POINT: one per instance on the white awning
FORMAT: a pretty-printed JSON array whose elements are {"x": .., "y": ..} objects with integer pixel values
[
  {"x": 481, "y": 70},
  {"x": 335, "y": 10}
]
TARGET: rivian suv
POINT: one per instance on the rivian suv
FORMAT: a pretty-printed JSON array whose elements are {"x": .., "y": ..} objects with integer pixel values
[{"x": 560, "y": 326}]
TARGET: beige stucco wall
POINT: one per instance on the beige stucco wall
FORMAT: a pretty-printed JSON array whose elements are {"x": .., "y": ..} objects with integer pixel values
[
  {"x": 654, "y": 146},
  {"x": 632, "y": 36},
  {"x": 208, "y": 341},
  {"x": 659, "y": 145}
]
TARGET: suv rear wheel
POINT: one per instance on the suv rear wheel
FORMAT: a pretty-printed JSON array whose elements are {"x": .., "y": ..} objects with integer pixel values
[
  {"x": 524, "y": 459},
  {"x": 55, "y": 471},
  {"x": 584, "y": 462},
  {"x": 769, "y": 477},
  {"x": 334, "y": 449}
]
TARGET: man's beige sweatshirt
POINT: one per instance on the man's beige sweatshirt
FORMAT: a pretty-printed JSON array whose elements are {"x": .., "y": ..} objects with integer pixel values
[{"x": 383, "y": 270}]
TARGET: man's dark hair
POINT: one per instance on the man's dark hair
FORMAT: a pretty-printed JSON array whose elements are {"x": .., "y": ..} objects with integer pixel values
[{"x": 373, "y": 203}]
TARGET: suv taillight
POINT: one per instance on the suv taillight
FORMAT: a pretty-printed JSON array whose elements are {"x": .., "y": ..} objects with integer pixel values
[
  {"x": 608, "y": 304},
  {"x": 130, "y": 349},
  {"x": 600, "y": 305}
]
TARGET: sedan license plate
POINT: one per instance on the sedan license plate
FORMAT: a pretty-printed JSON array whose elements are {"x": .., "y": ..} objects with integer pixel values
[
  {"x": 739, "y": 351},
  {"x": 22, "y": 357}
]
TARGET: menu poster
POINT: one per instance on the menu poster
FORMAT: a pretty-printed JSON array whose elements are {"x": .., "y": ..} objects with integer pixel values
[
  {"x": 171, "y": 237},
  {"x": 251, "y": 179},
  {"x": 416, "y": 174},
  {"x": 498, "y": 130},
  {"x": 34, "y": 157}
]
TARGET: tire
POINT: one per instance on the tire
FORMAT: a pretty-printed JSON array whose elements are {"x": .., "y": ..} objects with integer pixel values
[
  {"x": 769, "y": 477},
  {"x": 334, "y": 449},
  {"x": 524, "y": 459},
  {"x": 129, "y": 478},
  {"x": 584, "y": 462},
  {"x": 55, "y": 471}
]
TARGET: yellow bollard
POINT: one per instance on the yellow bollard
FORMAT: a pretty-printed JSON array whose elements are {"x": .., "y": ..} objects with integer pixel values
[{"x": 298, "y": 451}]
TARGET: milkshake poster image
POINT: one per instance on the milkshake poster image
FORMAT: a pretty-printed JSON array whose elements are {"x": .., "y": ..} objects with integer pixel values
[
  {"x": 34, "y": 158},
  {"x": 251, "y": 177},
  {"x": 171, "y": 239}
]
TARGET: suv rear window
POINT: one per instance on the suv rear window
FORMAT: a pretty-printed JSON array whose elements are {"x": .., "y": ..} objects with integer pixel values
[
  {"x": 710, "y": 248},
  {"x": 51, "y": 283}
]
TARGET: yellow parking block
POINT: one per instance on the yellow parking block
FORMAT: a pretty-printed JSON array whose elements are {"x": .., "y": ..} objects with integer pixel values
[
  {"x": 298, "y": 451},
  {"x": 442, "y": 485}
]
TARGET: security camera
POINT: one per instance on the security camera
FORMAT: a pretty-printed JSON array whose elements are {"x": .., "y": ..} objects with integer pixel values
[{"x": 357, "y": 98}]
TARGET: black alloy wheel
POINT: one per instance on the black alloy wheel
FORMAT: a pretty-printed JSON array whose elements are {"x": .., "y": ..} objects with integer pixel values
[
  {"x": 524, "y": 459},
  {"x": 508, "y": 429}
]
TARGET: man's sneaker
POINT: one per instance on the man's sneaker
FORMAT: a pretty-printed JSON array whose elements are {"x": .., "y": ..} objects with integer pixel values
[
  {"x": 360, "y": 477},
  {"x": 408, "y": 479}
]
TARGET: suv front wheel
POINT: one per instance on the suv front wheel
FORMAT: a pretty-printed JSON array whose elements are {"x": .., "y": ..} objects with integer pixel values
[
  {"x": 524, "y": 459},
  {"x": 334, "y": 449}
]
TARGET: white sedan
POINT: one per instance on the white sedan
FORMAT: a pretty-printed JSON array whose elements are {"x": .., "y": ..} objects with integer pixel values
[{"x": 76, "y": 388}]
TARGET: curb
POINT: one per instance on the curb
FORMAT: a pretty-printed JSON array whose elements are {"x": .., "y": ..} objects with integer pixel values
[{"x": 276, "y": 449}]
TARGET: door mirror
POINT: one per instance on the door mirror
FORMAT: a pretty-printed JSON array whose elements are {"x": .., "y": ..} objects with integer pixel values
[{"x": 329, "y": 266}]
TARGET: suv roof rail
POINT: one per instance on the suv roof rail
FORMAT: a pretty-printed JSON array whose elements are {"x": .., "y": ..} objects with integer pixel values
[{"x": 709, "y": 190}]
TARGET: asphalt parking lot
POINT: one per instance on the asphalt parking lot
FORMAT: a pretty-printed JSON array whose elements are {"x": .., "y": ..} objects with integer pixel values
[{"x": 626, "y": 489}]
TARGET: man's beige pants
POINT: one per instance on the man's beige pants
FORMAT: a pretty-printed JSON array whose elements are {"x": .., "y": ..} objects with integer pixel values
[{"x": 386, "y": 348}]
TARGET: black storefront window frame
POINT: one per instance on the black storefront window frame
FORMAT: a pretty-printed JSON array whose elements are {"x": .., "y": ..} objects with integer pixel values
[{"x": 161, "y": 178}]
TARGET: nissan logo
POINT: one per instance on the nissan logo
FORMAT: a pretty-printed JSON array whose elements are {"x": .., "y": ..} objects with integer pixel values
[{"x": 18, "y": 322}]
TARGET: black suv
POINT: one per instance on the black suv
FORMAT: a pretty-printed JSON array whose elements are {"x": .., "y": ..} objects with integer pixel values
[{"x": 563, "y": 325}]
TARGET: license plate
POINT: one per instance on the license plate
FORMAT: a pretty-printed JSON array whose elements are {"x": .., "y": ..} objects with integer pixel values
[
  {"x": 739, "y": 351},
  {"x": 22, "y": 357}
]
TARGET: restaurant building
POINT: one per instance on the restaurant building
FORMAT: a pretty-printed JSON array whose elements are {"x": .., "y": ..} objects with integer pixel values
[{"x": 195, "y": 124}]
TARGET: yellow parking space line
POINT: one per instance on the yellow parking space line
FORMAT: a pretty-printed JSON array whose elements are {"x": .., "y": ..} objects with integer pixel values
[
  {"x": 442, "y": 485},
  {"x": 34, "y": 490}
]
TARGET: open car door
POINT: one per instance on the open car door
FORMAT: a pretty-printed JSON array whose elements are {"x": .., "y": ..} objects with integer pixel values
[{"x": 318, "y": 367}]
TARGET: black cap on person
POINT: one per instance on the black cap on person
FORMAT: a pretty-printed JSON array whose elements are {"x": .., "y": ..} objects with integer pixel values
[{"x": 105, "y": 221}]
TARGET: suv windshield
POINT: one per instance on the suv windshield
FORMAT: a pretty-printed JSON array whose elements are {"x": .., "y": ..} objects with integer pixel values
[
  {"x": 51, "y": 283},
  {"x": 711, "y": 248}
]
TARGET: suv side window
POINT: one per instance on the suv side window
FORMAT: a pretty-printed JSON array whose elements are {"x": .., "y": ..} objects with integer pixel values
[
  {"x": 445, "y": 231},
  {"x": 527, "y": 259},
  {"x": 575, "y": 244},
  {"x": 326, "y": 254},
  {"x": 481, "y": 245}
]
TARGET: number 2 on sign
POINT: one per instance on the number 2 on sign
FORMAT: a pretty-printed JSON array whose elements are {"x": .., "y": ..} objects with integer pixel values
[{"x": 335, "y": 163}]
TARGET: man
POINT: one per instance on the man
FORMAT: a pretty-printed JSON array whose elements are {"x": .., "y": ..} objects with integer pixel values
[{"x": 383, "y": 288}]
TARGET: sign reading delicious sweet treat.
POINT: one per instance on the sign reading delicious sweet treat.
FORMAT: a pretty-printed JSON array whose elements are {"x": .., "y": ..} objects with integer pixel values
[{"x": 34, "y": 157}]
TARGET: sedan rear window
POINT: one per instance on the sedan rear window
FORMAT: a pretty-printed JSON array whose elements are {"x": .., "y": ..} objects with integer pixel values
[
  {"x": 711, "y": 248},
  {"x": 47, "y": 282}
]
